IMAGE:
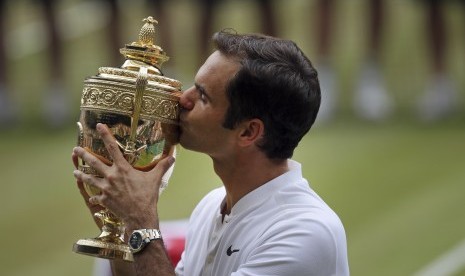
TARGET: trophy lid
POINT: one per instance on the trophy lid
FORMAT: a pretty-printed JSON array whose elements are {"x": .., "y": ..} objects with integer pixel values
[
  {"x": 145, "y": 50},
  {"x": 116, "y": 89}
]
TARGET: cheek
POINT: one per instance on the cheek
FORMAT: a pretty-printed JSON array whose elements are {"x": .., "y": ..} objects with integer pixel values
[{"x": 201, "y": 120}]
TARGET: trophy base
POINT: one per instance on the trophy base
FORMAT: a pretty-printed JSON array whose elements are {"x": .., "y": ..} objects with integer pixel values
[{"x": 100, "y": 249}]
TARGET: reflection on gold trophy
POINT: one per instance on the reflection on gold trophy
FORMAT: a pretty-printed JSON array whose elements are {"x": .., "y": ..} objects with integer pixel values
[{"x": 141, "y": 107}]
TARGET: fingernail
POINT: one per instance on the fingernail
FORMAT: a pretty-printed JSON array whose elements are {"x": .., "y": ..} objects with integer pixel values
[
  {"x": 171, "y": 160},
  {"x": 75, "y": 173}
]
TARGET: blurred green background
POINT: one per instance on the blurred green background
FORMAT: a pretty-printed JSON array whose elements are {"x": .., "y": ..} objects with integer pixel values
[{"x": 397, "y": 184}]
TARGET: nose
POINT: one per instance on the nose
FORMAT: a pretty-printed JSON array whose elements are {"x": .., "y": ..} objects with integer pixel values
[{"x": 186, "y": 101}]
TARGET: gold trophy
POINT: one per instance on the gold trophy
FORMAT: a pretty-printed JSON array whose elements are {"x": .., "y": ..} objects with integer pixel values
[{"x": 141, "y": 107}]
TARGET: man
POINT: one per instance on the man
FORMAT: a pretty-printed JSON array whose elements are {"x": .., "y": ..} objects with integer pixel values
[{"x": 253, "y": 100}]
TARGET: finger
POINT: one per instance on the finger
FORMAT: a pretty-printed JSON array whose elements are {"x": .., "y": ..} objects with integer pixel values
[
  {"x": 82, "y": 190},
  {"x": 163, "y": 166},
  {"x": 99, "y": 200},
  {"x": 86, "y": 196},
  {"x": 90, "y": 160},
  {"x": 88, "y": 179},
  {"x": 95, "y": 200},
  {"x": 110, "y": 144},
  {"x": 93, "y": 208},
  {"x": 75, "y": 158}
]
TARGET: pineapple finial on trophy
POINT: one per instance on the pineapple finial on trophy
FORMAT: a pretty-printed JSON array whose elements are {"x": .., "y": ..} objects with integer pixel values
[{"x": 147, "y": 33}]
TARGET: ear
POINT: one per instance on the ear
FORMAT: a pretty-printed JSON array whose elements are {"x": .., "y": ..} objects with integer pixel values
[{"x": 251, "y": 131}]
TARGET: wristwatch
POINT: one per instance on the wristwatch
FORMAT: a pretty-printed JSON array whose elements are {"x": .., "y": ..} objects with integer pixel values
[{"x": 140, "y": 238}]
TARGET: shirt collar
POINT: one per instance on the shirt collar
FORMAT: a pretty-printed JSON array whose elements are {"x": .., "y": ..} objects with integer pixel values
[{"x": 262, "y": 193}]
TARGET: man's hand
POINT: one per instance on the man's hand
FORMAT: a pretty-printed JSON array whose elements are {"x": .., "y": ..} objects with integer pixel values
[
  {"x": 93, "y": 208},
  {"x": 130, "y": 194}
]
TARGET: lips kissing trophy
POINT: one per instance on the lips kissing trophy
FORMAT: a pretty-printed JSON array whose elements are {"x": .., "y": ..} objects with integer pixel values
[{"x": 141, "y": 107}]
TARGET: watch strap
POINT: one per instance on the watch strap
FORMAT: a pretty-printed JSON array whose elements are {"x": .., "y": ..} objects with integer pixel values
[{"x": 153, "y": 234}]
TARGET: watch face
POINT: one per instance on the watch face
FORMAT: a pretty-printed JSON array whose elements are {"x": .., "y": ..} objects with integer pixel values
[{"x": 135, "y": 241}]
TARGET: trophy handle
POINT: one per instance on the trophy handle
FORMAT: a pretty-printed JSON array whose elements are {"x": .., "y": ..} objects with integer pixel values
[{"x": 141, "y": 83}]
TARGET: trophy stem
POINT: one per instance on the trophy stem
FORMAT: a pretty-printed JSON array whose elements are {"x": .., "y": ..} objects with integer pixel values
[
  {"x": 113, "y": 227},
  {"x": 110, "y": 243}
]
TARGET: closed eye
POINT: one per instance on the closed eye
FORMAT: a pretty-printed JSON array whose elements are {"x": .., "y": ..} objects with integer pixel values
[
  {"x": 202, "y": 94},
  {"x": 203, "y": 97}
]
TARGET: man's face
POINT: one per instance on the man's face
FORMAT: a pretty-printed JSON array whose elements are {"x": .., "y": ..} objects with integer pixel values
[{"x": 204, "y": 106}]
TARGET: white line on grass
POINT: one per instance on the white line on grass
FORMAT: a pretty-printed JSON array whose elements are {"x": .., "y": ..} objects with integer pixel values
[{"x": 449, "y": 263}]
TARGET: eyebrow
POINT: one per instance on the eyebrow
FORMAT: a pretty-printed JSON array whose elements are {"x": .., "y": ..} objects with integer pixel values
[{"x": 202, "y": 90}]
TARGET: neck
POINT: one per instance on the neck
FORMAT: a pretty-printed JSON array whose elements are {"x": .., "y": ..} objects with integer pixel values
[{"x": 240, "y": 176}]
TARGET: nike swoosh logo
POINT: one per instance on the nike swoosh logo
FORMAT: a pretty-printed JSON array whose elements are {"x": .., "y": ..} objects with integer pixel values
[{"x": 230, "y": 251}]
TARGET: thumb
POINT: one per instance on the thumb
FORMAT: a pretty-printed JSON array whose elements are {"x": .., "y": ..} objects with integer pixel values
[{"x": 162, "y": 167}]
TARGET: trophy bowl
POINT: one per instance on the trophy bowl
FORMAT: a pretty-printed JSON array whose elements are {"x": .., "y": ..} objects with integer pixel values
[{"x": 141, "y": 108}]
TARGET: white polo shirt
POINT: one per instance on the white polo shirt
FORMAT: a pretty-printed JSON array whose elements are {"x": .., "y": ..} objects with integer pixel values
[{"x": 281, "y": 228}]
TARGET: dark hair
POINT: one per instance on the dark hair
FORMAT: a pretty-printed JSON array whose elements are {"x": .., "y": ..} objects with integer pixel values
[{"x": 276, "y": 84}]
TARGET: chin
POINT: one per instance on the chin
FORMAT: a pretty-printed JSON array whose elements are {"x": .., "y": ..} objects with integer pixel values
[
  {"x": 187, "y": 143},
  {"x": 183, "y": 143}
]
